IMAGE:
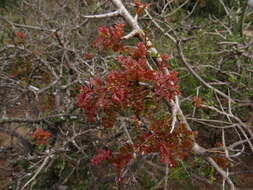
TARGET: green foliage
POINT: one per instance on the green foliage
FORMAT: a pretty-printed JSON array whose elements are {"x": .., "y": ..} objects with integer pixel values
[
  {"x": 8, "y": 4},
  {"x": 146, "y": 182},
  {"x": 205, "y": 170}
]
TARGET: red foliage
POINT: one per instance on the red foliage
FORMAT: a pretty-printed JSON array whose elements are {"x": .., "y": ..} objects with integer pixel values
[
  {"x": 125, "y": 90},
  {"x": 164, "y": 62},
  {"x": 140, "y": 7},
  {"x": 41, "y": 136},
  {"x": 92, "y": 97},
  {"x": 165, "y": 85},
  {"x": 166, "y": 155},
  {"x": 122, "y": 89},
  {"x": 20, "y": 35},
  {"x": 110, "y": 37},
  {"x": 197, "y": 101},
  {"x": 101, "y": 156},
  {"x": 140, "y": 51},
  {"x": 222, "y": 162},
  {"x": 171, "y": 146},
  {"x": 88, "y": 56},
  {"x": 121, "y": 161}
]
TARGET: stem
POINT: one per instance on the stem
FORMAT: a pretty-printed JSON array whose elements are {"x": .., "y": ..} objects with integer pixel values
[{"x": 242, "y": 18}]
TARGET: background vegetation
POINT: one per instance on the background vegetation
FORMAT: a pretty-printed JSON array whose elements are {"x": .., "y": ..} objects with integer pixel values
[{"x": 47, "y": 54}]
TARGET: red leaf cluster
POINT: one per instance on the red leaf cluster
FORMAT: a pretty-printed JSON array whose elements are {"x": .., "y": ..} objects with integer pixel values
[
  {"x": 21, "y": 35},
  {"x": 41, "y": 136},
  {"x": 140, "y": 51},
  {"x": 110, "y": 37},
  {"x": 171, "y": 146},
  {"x": 101, "y": 156},
  {"x": 164, "y": 62},
  {"x": 166, "y": 156},
  {"x": 140, "y": 7},
  {"x": 88, "y": 56},
  {"x": 91, "y": 98},
  {"x": 121, "y": 161},
  {"x": 126, "y": 90},
  {"x": 165, "y": 85},
  {"x": 197, "y": 101},
  {"x": 122, "y": 90}
]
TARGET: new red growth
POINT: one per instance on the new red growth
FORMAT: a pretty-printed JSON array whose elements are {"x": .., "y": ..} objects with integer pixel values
[
  {"x": 101, "y": 156},
  {"x": 20, "y": 35},
  {"x": 41, "y": 136},
  {"x": 132, "y": 89}
]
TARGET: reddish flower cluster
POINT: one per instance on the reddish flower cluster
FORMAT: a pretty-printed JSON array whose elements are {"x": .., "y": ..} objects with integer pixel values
[
  {"x": 41, "y": 136},
  {"x": 101, "y": 156}
]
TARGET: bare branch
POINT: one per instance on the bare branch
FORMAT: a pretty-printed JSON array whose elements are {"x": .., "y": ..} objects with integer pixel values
[
  {"x": 44, "y": 163},
  {"x": 106, "y": 15},
  {"x": 221, "y": 172}
]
